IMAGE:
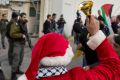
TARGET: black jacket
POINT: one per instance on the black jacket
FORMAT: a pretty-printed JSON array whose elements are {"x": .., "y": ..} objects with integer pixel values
[
  {"x": 114, "y": 27},
  {"x": 46, "y": 27},
  {"x": 61, "y": 23},
  {"x": 90, "y": 55},
  {"x": 53, "y": 25},
  {"x": 77, "y": 27},
  {"x": 23, "y": 27}
]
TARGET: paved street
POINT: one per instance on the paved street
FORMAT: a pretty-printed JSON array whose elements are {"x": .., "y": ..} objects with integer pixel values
[{"x": 7, "y": 69}]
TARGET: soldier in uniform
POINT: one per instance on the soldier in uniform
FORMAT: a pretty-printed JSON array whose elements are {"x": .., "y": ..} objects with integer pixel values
[
  {"x": 18, "y": 40},
  {"x": 3, "y": 25}
]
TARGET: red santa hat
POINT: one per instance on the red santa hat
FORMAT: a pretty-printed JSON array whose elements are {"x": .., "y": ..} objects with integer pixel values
[{"x": 51, "y": 50}]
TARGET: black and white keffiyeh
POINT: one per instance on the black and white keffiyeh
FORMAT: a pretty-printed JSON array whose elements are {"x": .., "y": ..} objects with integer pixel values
[{"x": 50, "y": 71}]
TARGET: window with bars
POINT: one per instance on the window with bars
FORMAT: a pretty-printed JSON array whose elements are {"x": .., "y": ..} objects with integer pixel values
[{"x": 32, "y": 12}]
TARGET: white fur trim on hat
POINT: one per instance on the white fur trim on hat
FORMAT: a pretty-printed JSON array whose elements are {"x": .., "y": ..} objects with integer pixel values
[
  {"x": 23, "y": 77},
  {"x": 59, "y": 60},
  {"x": 96, "y": 40}
]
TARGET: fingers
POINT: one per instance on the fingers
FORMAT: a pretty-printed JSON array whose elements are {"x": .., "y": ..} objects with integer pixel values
[
  {"x": 92, "y": 18},
  {"x": 87, "y": 21},
  {"x": 92, "y": 25}
]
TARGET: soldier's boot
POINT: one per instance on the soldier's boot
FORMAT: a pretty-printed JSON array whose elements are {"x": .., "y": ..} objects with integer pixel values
[{"x": 13, "y": 76}]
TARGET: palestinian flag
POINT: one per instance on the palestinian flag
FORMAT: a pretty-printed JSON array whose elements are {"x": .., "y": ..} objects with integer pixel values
[{"x": 106, "y": 10}]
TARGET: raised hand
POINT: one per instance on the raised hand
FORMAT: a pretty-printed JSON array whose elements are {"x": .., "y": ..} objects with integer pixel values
[{"x": 92, "y": 25}]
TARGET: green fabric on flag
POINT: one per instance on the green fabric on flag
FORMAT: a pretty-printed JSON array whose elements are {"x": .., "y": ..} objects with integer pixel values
[{"x": 104, "y": 16}]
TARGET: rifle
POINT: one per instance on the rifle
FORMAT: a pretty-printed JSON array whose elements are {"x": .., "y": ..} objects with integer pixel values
[
  {"x": 28, "y": 40},
  {"x": 25, "y": 32}
]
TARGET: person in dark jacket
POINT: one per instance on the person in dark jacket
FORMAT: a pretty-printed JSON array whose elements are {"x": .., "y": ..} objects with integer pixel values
[
  {"x": 61, "y": 22},
  {"x": 53, "y": 22},
  {"x": 47, "y": 25},
  {"x": 100, "y": 16},
  {"x": 103, "y": 27},
  {"x": 23, "y": 22},
  {"x": 77, "y": 29},
  {"x": 118, "y": 24},
  {"x": 23, "y": 25},
  {"x": 3, "y": 26},
  {"x": 114, "y": 24}
]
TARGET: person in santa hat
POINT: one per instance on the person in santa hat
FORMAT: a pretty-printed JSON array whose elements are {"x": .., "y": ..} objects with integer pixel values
[{"x": 52, "y": 53}]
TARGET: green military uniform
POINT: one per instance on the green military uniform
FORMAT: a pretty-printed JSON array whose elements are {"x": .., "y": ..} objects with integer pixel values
[{"x": 18, "y": 46}]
